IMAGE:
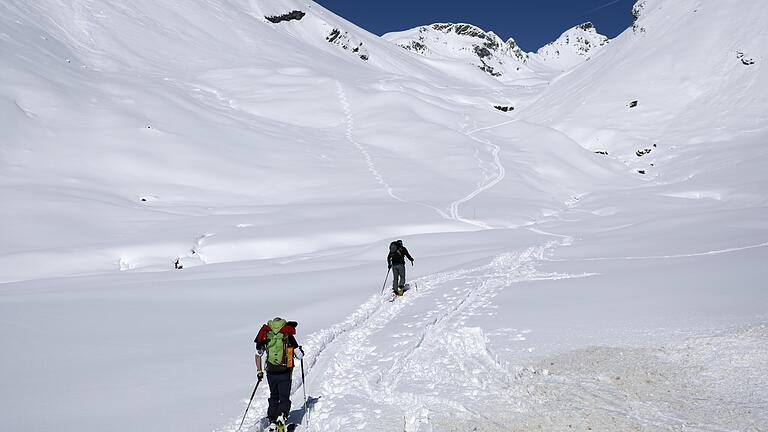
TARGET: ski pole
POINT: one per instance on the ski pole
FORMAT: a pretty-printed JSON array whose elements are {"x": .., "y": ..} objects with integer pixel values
[
  {"x": 385, "y": 280},
  {"x": 304, "y": 387},
  {"x": 249, "y": 404}
]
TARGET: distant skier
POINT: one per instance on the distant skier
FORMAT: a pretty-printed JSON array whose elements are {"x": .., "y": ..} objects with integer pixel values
[
  {"x": 277, "y": 339},
  {"x": 396, "y": 261}
]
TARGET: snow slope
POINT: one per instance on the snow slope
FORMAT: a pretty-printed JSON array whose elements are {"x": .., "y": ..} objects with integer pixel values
[{"x": 557, "y": 288}]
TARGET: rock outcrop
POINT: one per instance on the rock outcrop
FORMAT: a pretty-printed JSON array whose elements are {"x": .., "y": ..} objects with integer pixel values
[
  {"x": 346, "y": 42},
  {"x": 290, "y": 16}
]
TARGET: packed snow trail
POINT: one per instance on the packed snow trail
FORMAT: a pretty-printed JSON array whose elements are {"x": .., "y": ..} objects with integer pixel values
[
  {"x": 350, "y": 376},
  {"x": 378, "y": 370}
]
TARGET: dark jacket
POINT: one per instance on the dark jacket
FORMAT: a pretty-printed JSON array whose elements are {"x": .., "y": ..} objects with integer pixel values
[{"x": 398, "y": 256}]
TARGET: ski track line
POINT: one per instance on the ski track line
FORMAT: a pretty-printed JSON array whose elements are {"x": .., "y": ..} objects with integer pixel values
[
  {"x": 697, "y": 254},
  {"x": 353, "y": 374},
  {"x": 316, "y": 345},
  {"x": 350, "y": 120},
  {"x": 484, "y": 186},
  {"x": 349, "y": 133},
  {"x": 344, "y": 373},
  {"x": 505, "y": 270}
]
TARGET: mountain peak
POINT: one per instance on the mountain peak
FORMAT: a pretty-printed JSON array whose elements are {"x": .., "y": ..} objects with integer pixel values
[
  {"x": 465, "y": 42},
  {"x": 574, "y": 46}
]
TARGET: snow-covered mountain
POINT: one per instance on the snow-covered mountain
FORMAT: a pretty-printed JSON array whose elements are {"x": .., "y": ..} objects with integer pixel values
[
  {"x": 468, "y": 44},
  {"x": 174, "y": 174},
  {"x": 572, "y": 48}
]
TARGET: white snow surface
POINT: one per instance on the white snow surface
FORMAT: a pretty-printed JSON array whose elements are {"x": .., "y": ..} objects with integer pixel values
[{"x": 555, "y": 288}]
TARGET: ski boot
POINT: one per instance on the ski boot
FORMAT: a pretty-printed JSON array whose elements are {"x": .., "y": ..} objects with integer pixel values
[{"x": 281, "y": 424}]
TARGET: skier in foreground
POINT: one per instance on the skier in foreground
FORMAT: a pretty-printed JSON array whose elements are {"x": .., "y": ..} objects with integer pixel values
[
  {"x": 277, "y": 339},
  {"x": 396, "y": 261}
]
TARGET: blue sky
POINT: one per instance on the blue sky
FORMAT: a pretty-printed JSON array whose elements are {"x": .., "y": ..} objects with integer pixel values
[{"x": 532, "y": 23}]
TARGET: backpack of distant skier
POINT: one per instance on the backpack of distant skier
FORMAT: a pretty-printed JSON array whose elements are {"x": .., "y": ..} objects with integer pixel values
[
  {"x": 275, "y": 337},
  {"x": 394, "y": 250}
]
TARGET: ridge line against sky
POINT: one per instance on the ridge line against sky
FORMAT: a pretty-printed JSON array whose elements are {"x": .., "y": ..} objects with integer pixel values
[{"x": 531, "y": 24}]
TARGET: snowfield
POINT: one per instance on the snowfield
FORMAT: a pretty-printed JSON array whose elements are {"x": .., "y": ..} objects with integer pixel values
[{"x": 593, "y": 259}]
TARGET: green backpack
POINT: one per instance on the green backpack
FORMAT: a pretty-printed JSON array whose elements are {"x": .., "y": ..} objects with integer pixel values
[{"x": 276, "y": 343}]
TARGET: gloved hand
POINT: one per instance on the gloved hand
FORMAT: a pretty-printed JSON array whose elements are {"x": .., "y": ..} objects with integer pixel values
[
  {"x": 260, "y": 375},
  {"x": 412, "y": 262},
  {"x": 389, "y": 267}
]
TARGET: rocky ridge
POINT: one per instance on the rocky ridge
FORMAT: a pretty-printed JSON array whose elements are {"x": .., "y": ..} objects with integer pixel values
[{"x": 465, "y": 42}]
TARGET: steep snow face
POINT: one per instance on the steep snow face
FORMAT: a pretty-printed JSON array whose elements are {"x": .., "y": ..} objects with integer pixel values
[
  {"x": 572, "y": 48},
  {"x": 466, "y": 43},
  {"x": 676, "y": 79}
]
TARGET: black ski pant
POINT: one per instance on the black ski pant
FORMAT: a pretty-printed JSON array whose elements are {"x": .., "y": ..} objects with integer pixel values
[{"x": 279, "y": 394}]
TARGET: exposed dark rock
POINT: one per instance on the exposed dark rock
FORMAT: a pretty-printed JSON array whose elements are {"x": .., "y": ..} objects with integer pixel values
[
  {"x": 335, "y": 33},
  {"x": 505, "y": 108},
  {"x": 641, "y": 171},
  {"x": 343, "y": 40},
  {"x": 416, "y": 47},
  {"x": 510, "y": 47},
  {"x": 643, "y": 152},
  {"x": 637, "y": 9},
  {"x": 293, "y": 15},
  {"x": 489, "y": 70},
  {"x": 178, "y": 265},
  {"x": 461, "y": 29},
  {"x": 633, "y": 104},
  {"x": 492, "y": 45},
  {"x": 602, "y": 152},
  {"x": 744, "y": 60},
  {"x": 482, "y": 52},
  {"x": 587, "y": 26}
]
